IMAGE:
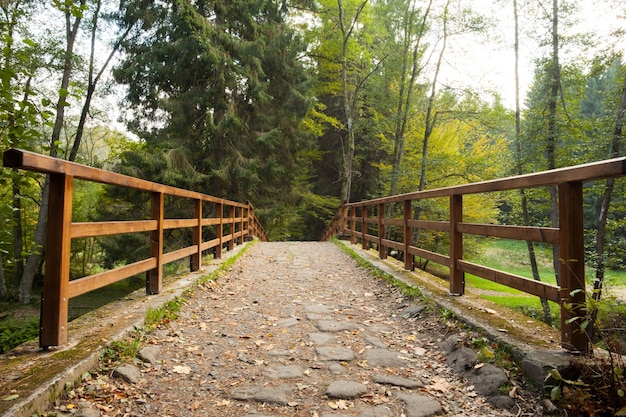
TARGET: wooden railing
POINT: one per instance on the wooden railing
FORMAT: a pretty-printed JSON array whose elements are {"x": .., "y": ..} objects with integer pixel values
[
  {"x": 367, "y": 221},
  {"x": 232, "y": 222}
]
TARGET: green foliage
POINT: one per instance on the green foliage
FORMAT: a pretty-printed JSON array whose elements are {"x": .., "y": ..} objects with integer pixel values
[
  {"x": 15, "y": 332},
  {"x": 163, "y": 315}
]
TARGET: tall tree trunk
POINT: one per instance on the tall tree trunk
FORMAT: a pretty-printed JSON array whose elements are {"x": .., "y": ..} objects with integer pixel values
[
  {"x": 93, "y": 80},
  {"x": 552, "y": 130},
  {"x": 18, "y": 232},
  {"x": 616, "y": 150},
  {"x": 547, "y": 316},
  {"x": 348, "y": 98},
  {"x": 404, "y": 101},
  {"x": 3, "y": 284},
  {"x": 34, "y": 259}
]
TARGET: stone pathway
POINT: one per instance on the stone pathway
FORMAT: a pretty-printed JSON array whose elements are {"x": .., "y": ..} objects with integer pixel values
[{"x": 293, "y": 329}]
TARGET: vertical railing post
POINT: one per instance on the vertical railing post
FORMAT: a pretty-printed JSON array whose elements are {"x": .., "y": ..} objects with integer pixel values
[
  {"x": 572, "y": 268},
  {"x": 251, "y": 225},
  {"x": 408, "y": 236},
  {"x": 344, "y": 219},
  {"x": 457, "y": 277},
  {"x": 54, "y": 306},
  {"x": 232, "y": 214},
  {"x": 382, "y": 251},
  {"x": 352, "y": 225},
  {"x": 219, "y": 229},
  {"x": 365, "y": 244},
  {"x": 154, "y": 277},
  {"x": 196, "y": 258},
  {"x": 242, "y": 212}
]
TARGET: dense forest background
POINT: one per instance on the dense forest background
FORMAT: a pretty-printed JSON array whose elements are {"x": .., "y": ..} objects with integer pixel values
[{"x": 297, "y": 105}]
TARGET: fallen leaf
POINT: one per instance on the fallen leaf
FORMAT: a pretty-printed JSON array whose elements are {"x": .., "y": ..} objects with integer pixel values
[
  {"x": 223, "y": 403},
  {"x": 338, "y": 405},
  {"x": 11, "y": 397},
  {"x": 419, "y": 351},
  {"x": 181, "y": 369}
]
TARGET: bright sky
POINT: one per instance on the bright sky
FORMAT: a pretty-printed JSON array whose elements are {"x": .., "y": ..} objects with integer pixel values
[{"x": 489, "y": 63}]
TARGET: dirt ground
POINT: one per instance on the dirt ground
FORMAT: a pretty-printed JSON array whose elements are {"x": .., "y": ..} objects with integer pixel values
[{"x": 269, "y": 339}]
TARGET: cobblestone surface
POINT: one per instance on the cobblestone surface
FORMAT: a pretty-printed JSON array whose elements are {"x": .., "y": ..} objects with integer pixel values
[{"x": 292, "y": 329}]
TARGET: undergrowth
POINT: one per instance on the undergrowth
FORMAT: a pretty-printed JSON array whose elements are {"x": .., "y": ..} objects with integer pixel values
[{"x": 15, "y": 332}]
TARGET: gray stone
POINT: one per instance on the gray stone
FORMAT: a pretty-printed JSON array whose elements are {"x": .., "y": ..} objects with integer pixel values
[
  {"x": 320, "y": 338},
  {"x": 272, "y": 395},
  {"x": 501, "y": 401},
  {"x": 337, "y": 369},
  {"x": 288, "y": 311},
  {"x": 380, "y": 328},
  {"x": 397, "y": 381},
  {"x": 88, "y": 412},
  {"x": 283, "y": 372},
  {"x": 376, "y": 342},
  {"x": 335, "y": 326},
  {"x": 462, "y": 359},
  {"x": 128, "y": 373},
  {"x": 378, "y": 411},
  {"x": 537, "y": 363},
  {"x": 383, "y": 357},
  {"x": 451, "y": 344},
  {"x": 413, "y": 311},
  {"x": 345, "y": 390},
  {"x": 318, "y": 308},
  {"x": 289, "y": 322},
  {"x": 487, "y": 379},
  {"x": 326, "y": 353},
  {"x": 418, "y": 405},
  {"x": 314, "y": 316},
  {"x": 149, "y": 354}
]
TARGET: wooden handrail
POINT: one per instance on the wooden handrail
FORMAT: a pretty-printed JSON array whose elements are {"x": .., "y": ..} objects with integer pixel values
[
  {"x": 569, "y": 236},
  {"x": 58, "y": 288}
]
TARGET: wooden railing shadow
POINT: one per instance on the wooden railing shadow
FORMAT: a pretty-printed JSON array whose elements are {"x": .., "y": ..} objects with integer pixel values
[
  {"x": 232, "y": 223},
  {"x": 367, "y": 222}
]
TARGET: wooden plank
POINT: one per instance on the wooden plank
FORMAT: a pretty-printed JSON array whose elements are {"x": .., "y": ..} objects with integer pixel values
[
  {"x": 534, "y": 234},
  {"x": 431, "y": 256},
  {"x": 580, "y": 173},
  {"x": 530, "y": 286},
  {"x": 86, "y": 284},
  {"x": 430, "y": 225},
  {"x": 214, "y": 243},
  {"x": 572, "y": 268},
  {"x": 394, "y": 222},
  {"x": 393, "y": 244},
  {"x": 371, "y": 220},
  {"x": 17, "y": 158},
  {"x": 211, "y": 221},
  {"x": 179, "y": 254},
  {"x": 54, "y": 306},
  {"x": 179, "y": 223},
  {"x": 81, "y": 230}
]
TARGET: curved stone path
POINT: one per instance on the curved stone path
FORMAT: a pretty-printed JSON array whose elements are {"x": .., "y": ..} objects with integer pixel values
[{"x": 293, "y": 329}]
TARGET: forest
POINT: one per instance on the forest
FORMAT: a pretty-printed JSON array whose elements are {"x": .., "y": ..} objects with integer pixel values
[{"x": 298, "y": 105}]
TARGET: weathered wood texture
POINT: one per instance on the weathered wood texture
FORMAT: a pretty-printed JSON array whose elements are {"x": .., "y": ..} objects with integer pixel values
[
  {"x": 569, "y": 236},
  {"x": 58, "y": 288}
]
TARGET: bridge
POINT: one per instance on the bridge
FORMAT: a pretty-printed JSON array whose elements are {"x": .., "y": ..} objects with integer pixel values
[{"x": 295, "y": 325}]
